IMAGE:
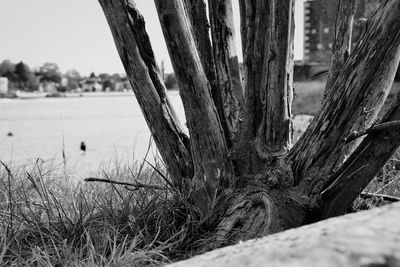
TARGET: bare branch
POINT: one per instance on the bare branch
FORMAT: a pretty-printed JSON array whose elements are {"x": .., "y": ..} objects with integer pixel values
[
  {"x": 363, "y": 165},
  {"x": 226, "y": 62},
  {"x": 213, "y": 168},
  {"x": 376, "y": 128},
  {"x": 133, "y": 45},
  {"x": 196, "y": 11},
  {"x": 255, "y": 25},
  {"x": 243, "y": 25},
  {"x": 136, "y": 184},
  {"x": 274, "y": 137},
  {"x": 342, "y": 40},
  {"x": 353, "y": 103},
  {"x": 367, "y": 195}
]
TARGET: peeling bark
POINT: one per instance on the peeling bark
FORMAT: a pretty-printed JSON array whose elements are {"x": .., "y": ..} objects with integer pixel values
[
  {"x": 226, "y": 63},
  {"x": 258, "y": 210},
  {"x": 243, "y": 26},
  {"x": 353, "y": 103},
  {"x": 213, "y": 168},
  {"x": 196, "y": 12},
  {"x": 257, "y": 23},
  {"x": 128, "y": 29},
  {"x": 342, "y": 40},
  {"x": 275, "y": 134},
  {"x": 362, "y": 166}
]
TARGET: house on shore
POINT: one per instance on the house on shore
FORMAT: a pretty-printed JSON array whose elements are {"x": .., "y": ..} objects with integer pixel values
[
  {"x": 3, "y": 85},
  {"x": 91, "y": 85}
]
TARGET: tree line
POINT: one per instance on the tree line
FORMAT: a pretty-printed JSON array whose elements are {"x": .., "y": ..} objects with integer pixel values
[{"x": 22, "y": 77}]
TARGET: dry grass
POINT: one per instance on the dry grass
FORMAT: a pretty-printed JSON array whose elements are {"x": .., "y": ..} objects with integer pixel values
[{"x": 45, "y": 222}]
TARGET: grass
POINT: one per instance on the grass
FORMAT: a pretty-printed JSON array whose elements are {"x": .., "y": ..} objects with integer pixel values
[{"x": 47, "y": 220}]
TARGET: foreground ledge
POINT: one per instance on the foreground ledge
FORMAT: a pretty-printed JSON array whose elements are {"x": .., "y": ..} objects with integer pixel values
[{"x": 369, "y": 238}]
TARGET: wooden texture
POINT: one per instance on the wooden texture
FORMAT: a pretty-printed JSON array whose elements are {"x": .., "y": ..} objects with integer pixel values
[
  {"x": 342, "y": 40},
  {"x": 133, "y": 45},
  {"x": 196, "y": 11},
  {"x": 362, "y": 166},
  {"x": 255, "y": 26},
  {"x": 226, "y": 63},
  {"x": 369, "y": 238},
  {"x": 213, "y": 168},
  {"x": 353, "y": 103},
  {"x": 275, "y": 133}
]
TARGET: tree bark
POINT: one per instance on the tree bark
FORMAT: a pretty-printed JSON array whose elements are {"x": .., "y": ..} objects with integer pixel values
[
  {"x": 362, "y": 166},
  {"x": 257, "y": 23},
  {"x": 196, "y": 12},
  {"x": 267, "y": 191},
  {"x": 243, "y": 26},
  {"x": 342, "y": 40},
  {"x": 227, "y": 63},
  {"x": 132, "y": 42},
  {"x": 213, "y": 168},
  {"x": 275, "y": 134},
  {"x": 353, "y": 103}
]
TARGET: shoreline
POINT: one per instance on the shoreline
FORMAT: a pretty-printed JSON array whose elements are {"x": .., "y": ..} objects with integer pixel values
[{"x": 35, "y": 95}]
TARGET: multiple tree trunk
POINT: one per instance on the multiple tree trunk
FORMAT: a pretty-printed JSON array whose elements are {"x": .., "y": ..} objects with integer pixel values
[{"x": 239, "y": 155}]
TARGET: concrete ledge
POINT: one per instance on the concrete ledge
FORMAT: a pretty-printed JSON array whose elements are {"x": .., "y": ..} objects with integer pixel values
[{"x": 369, "y": 238}]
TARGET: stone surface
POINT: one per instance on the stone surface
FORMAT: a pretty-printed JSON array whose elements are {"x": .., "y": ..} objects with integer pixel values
[{"x": 370, "y": 238}]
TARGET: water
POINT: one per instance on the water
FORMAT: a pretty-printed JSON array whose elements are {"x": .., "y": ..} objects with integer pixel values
[{"x": 112, "y": 127}]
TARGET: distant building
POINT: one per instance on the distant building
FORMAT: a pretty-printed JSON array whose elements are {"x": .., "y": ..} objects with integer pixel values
[
  {"x": 3, "y": 85},
  {"x": 91, "y": 85},
  {"x": 46, "y": 86},
  {"x": 319, "y": 23}
]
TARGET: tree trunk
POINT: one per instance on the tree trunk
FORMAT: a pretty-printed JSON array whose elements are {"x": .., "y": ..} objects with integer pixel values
[
  {"x": 133, "y": 45},
  {"x": 227, "y": 63},
  {"x": 342, "y": 41},
  {"x": 212, "y": 167},
  {"x": 363, "y": 165},
  {"x": 261, "y": 186},
  {"x": 352, "y": 104},
  {"x": 255, "y": 26},
  {"x": 196, "y": 11},
  {"x": 274, "y": 136}
]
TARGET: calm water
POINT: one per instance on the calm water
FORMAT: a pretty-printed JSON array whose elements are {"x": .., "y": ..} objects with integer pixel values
[{"x": 112, "y": 128}]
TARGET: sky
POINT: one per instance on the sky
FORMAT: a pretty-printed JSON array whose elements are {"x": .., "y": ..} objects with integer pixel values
[{"x": 75, "y": 34}]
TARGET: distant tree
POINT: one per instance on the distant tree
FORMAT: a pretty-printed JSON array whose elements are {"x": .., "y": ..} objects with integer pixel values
[
  {"x": 92, "y": 75},
  {"x": 6, "y": 68},
  {"x": 50, "y": 67},
  {"x": 116, "y": 77},
  {"x": 73, "y": 77},
  {"x": 24, "y": 77},
  {"x": 73, "y": 74},
  {"x": 104, "y": 76},
  {"x": 110, "y": 84},
  {"x": 50, "y": 72}
]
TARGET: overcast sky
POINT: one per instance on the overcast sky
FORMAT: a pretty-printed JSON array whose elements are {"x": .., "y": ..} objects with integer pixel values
[{"x": 75, "y": 34}]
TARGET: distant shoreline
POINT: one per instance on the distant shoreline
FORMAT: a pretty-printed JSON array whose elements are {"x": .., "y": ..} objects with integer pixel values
[{"x": 34, "y": 95}]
